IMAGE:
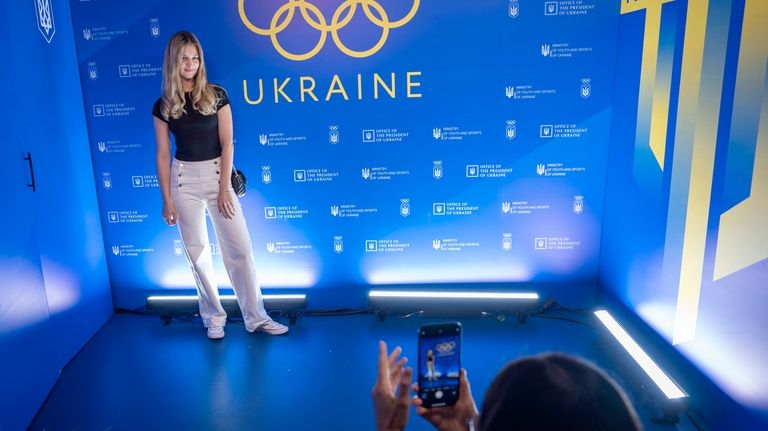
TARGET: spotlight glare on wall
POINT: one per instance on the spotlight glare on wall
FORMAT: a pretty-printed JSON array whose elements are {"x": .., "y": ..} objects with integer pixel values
[{"x": 659, "y": 377}]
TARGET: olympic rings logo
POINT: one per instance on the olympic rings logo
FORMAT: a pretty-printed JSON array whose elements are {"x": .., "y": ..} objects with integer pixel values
[
  {"x": 315, "y": 18},
  {"x": 446, "y": 347}
]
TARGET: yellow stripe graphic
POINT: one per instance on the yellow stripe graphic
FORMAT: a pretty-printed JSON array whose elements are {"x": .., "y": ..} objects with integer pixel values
[
  {"x": 696, "y": 136},
  {"x": 742, "y": 239},
  {"x": 653, "y": 106}
]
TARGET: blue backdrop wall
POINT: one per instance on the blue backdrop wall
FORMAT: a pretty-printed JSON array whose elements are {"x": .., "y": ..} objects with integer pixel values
[
  {"x": 385, "y": 142},
  {"x": 684, "y": 237}
]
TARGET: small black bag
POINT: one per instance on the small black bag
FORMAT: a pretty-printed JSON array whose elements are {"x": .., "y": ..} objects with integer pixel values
[{"x": 238, "y": 182}]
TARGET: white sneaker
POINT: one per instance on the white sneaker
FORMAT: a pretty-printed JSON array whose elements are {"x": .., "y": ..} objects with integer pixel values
[
  {"x": 216, "y": 332},
  {"x": 272, "y": 328}
]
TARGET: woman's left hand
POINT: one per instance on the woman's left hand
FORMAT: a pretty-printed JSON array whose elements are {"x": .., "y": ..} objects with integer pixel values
[
  {"x": 226, "y": 204},
  {"x": 391, "y": 392}
]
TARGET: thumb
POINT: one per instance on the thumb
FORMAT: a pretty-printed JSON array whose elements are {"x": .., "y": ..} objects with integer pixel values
[{"x": 465, "y": 390}]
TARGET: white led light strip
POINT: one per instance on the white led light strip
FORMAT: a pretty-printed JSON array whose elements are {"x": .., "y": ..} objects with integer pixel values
[
  {"x": 670, "y": 389},
  {"x": 228, "y": 297},
  {"x": 451, "y": 295}
]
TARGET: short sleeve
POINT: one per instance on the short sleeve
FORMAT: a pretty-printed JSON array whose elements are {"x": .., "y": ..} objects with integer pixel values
[
  {"x": 222, "y": 96},
  {"x": 157, "y": 110}
]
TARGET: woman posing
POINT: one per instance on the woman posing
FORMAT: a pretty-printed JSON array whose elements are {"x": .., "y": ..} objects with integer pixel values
[{"x": 198, "y": 180}]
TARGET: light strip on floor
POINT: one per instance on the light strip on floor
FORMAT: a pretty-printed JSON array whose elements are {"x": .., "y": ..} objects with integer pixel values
[
  {"x": 450, "y": 295},
  {"x": 227, "y": 297},
  {"x": 659, "y": 377}
]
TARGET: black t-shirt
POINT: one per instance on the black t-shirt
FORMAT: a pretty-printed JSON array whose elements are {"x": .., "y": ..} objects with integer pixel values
[{"x": 197, "y": 135}]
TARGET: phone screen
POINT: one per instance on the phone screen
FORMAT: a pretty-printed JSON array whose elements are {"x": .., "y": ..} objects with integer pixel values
[{"x": 439, "y": 364}]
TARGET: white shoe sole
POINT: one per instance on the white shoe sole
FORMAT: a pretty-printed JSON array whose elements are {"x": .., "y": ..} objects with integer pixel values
[
  {"x": 269, "y": 332},
  {"x": 216, "y": 336}
]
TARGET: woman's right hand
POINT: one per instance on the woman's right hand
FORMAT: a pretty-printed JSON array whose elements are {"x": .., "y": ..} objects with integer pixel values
[
  {"x": 169, "y": 213},
  {"x": 453, "y": 418}
]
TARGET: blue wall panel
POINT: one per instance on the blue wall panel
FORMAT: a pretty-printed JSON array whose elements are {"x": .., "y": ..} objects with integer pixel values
[
  {"x": 55, "y": 287},
  {"x": 69, "y": 228}
]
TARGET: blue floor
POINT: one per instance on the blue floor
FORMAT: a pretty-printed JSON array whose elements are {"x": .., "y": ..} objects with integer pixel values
[{"x": 137, "y": 373}]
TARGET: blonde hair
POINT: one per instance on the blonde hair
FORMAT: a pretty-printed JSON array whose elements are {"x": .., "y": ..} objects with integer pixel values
[{"x": 204, "y": 96}]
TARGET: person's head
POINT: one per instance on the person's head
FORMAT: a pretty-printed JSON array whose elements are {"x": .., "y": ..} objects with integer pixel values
[
  {"x": 555, "y": 392},
  {"x": 184, "y": 63}
]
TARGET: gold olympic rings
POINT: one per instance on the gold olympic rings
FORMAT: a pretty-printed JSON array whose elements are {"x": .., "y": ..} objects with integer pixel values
[
  {"x": 446, "y": 347},
  {"x": 314, "y": 17}
]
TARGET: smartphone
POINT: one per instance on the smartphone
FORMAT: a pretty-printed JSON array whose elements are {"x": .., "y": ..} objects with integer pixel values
[{"x": 439, "y": 364}]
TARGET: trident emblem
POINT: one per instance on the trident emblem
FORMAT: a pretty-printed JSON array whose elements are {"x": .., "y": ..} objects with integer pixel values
[
  {"x": 511, "y": 131},
  {"x": 154, "y": 27},
  {"x": 333, "y": 134},
  {"x": 514, "y": 9},
  {"x": 338, "y": 244},
  {"x": 578, "y": 204},
  {"x": 506, "y": 241},
  {"x": 266, "y": 175},
  {"x": 178, "y": 249},
  {"x": 437, "y": 169},
  {"x": 45, "y": 19},
  {"x": 586, "y": 88},
  {"x": 405, "y": 207}
]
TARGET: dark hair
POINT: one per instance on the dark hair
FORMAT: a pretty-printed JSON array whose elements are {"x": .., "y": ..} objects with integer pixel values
[{"x": 556, "y": 392}]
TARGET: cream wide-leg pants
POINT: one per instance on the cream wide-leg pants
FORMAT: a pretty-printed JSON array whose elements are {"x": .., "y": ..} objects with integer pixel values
[{"x": 194, "y": 190}]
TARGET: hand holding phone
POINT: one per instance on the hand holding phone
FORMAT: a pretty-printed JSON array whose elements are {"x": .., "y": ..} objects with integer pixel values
[{"x": 439, "y": 364}]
